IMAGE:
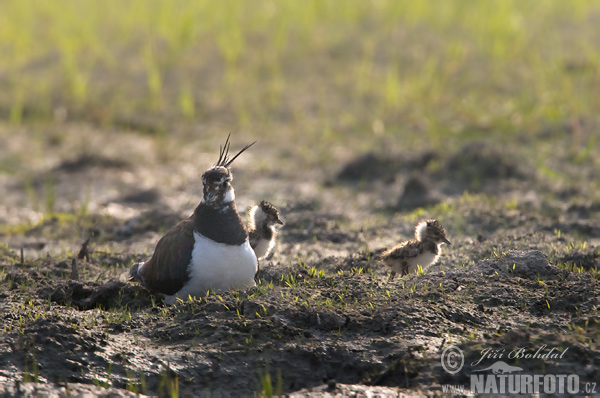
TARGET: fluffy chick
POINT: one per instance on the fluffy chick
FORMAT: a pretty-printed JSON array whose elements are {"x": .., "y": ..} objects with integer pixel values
[
  {"x": 423, "y": 250},
  {"x": 264, "y": 218}
]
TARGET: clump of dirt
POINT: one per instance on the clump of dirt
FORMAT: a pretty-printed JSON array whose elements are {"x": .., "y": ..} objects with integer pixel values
[
  {"x": 81, "y": 295},
  {"x": 532, "y": 264},
  {"x": 368, "y": 167},
  {"x": 418, "y": 192},
  {"x": 480, "y": 164},
  {"x": 88, "y": 295},
  {"x": 311, "y": 225},
  {"x": 427, "y": 178},
  {"x": 379, "y": 167},
  {"x": 91, "y": 160},
  {"x": 588, "y": 259}
]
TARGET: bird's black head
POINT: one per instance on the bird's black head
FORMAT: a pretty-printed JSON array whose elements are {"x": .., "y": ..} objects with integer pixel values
[{"x": 217, "y": 179}]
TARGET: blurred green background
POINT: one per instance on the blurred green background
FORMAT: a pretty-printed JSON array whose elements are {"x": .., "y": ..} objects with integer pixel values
[{"x": 308, "y": 70}]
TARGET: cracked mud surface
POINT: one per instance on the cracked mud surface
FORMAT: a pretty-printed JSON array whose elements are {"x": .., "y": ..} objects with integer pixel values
[{"x": 522, "y": 271}]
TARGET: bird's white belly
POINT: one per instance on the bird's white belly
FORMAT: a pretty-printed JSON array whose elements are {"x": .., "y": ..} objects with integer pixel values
[
  {"x": 424, "y": 259},
  {"x": 217, "y": 266}
]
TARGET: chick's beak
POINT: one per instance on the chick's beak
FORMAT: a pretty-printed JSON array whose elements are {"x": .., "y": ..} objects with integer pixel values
[
  {"x": 446, "y": 241},
  {"x": 279, "y": 222}
]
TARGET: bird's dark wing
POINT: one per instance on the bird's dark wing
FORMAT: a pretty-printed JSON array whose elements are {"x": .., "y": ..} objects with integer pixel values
[{"x": 167, "y": 271}]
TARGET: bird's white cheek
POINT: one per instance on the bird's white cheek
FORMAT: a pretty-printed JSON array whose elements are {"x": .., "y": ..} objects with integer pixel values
[{"x": 229, "y": 196}]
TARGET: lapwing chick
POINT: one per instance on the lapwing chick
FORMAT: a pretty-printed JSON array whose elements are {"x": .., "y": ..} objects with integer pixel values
[
  {"x": 208, "y": 250},
  {"x": 262, "y": 227},
  {"x": 423, "y": 250}
]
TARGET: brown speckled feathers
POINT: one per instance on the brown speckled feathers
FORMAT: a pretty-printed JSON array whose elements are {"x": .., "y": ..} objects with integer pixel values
[{"x": 174, "y": 252}]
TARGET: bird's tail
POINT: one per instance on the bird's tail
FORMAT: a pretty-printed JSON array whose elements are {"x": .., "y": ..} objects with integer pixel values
[{"x": 134, "y": 274}]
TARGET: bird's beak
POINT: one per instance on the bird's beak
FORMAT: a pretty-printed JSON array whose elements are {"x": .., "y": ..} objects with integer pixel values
[
  {"x": 209, "y": 196},
  {"x": 279, "y": 222},
  {"x": 446, "y": 241}
]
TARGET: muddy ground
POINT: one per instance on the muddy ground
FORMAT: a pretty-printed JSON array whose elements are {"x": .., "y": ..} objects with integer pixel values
[{"x": 522, "y": 270}]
